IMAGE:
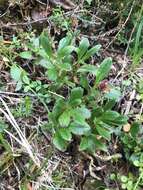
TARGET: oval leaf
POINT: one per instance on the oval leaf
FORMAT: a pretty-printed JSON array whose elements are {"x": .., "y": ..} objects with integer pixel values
[
  {"x": 64, "y": 119},
  {"x": 59, "y": 142},
  {"x": 45, "y": 43},
  {"x": 103, "y": 70},
  {"x": 26, "y": 55},
  {"x": 79, "y": 129},
  {"x": 65, "y": 134}
]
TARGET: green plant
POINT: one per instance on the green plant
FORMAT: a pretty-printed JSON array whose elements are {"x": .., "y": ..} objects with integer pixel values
[
  {"x": 89, "y": 1},
  {"x": 136, "y": 49},
  {"x": 86, "y": 109},
  {"x": 127, "y": 182},
  {"x": 60, "y": 20},
  {"x": 133, "y": 146}
]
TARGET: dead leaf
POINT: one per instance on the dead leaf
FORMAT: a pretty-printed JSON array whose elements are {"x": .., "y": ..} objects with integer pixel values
[{"x": 74, "y": 22}]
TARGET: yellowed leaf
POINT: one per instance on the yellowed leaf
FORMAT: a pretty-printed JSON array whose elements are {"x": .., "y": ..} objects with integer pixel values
[{"x": 126, "y": 127}]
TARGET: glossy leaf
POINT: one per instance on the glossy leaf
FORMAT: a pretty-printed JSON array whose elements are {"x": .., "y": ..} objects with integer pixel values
[
  {"x": 65, "y": 134},
  {"x": 64, "y": 119},
  {"x": 45, "y": 43},
  {"x": 135, "y": 129},
  {"x": 79, "y": 129},
  {"x": 76, "y": 93},
  {"x": 83, "y": 47},
  {"x": 65, "y": 66},
  {"x": 114, "y": 94},
  {"x": 59, "y": 108},
  {"x": 91, "y": 52},
  {"x": 26, "y": 55},
  {"x": 59, "y": 142},
  {"x": 103, "y": 132},
  {"x": 63, "y": 43},
  {"x": 110, "y": 115},
  {"x": 19, "y": 85},
  {"x": 66, "y": 51},
  {"x": 103, "y": 70},
  {"x": 45, "y": 63},
  {"x": 114, "y": 118},
  {"x": 25, "y": 79},
  {"x": 86, "y": 68},
  {"x": 15, "y": 72},
  {"x": 84, "y": 144},
  {"x": 52, "y": 74},
  {"x": 98, "y": 144}
]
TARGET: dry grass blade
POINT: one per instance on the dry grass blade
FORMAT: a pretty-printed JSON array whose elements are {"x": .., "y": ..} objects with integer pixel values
[{"x": 22, "y": 139}]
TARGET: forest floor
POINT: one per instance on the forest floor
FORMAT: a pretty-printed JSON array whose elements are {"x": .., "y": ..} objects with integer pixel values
[{"x": 28, "y": 158}]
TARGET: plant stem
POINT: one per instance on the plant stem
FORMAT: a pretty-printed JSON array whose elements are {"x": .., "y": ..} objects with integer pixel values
[{"x": 138, "y": 181}]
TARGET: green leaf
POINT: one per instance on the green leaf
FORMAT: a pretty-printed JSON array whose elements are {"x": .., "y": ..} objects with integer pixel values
[
  {"x": 114, "y": 118},
  {"x": 91, "y": 143},
  {"x": 114, "y": 94},
  {"x": 46, "y": 44},
  {"x": 89, "y": 1},
  {"x": 2, "y": 126},
  {"x": 45, "y": 63},
  {"x": 25, "y": 79},
  {"x": 103, "y": 132},
  {"x": 135, "y": 129},
  {"x": 97, "y": 112},
  {"x": 80, "y": 114},
  {"x": 91, "y": 52},
  {"x": 76, "y": 93},
  {"x": 65, "y": 66},
  {"x": 88, "y": 68},
  {"x": 75, "y": 102},
  {"x": 66, "y": 51},
  {"x": 64, "y": 42},
  {"x": 99, "y": 144},
  {"x": 59, "y": 108},
  {"x": 26, "y": 55},
  {"x": 84, "y": 144},
  {"x": 27, "y": 88},
  {"x": 79, "y": 129},
  {"x": 121, "y": 120},
  {"x": 64, "y": 119},
  {"x": 110, "y": 115},
  {"x": 103, "y": 70},
  {"x": 18, "y": 85},
  {"x": 77, "y": 116},
  {"x": 65, "y": 134},
  {"x": 83, "y": 47},
  {"x": 52, "y": 74},
  {"x": 109, "y": 105},
  {"x": 59, "y": 142},
  {"x": 84, "y": 112},
  {"x": 15, "y": 72}
]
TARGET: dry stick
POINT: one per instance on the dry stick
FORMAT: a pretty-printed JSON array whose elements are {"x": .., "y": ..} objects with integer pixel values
[
  {"x": 123, "y": 25},
  {"x": 33, "y": 22},
  {"x": 30, "y": 95},
  {"x": 7, "y": 9},
  {"x": 17, "y": 94},
  {"x": 26, "y": 23},
  {"x": 141, "y": 110},
  {"x": 11, "y": 135},
  {"x": 129, "y": 103},
  {"x": 24, "y": 143}
]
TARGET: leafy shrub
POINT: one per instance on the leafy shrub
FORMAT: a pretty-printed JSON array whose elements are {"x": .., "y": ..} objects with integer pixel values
[{"x": 86, "y": 108}]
